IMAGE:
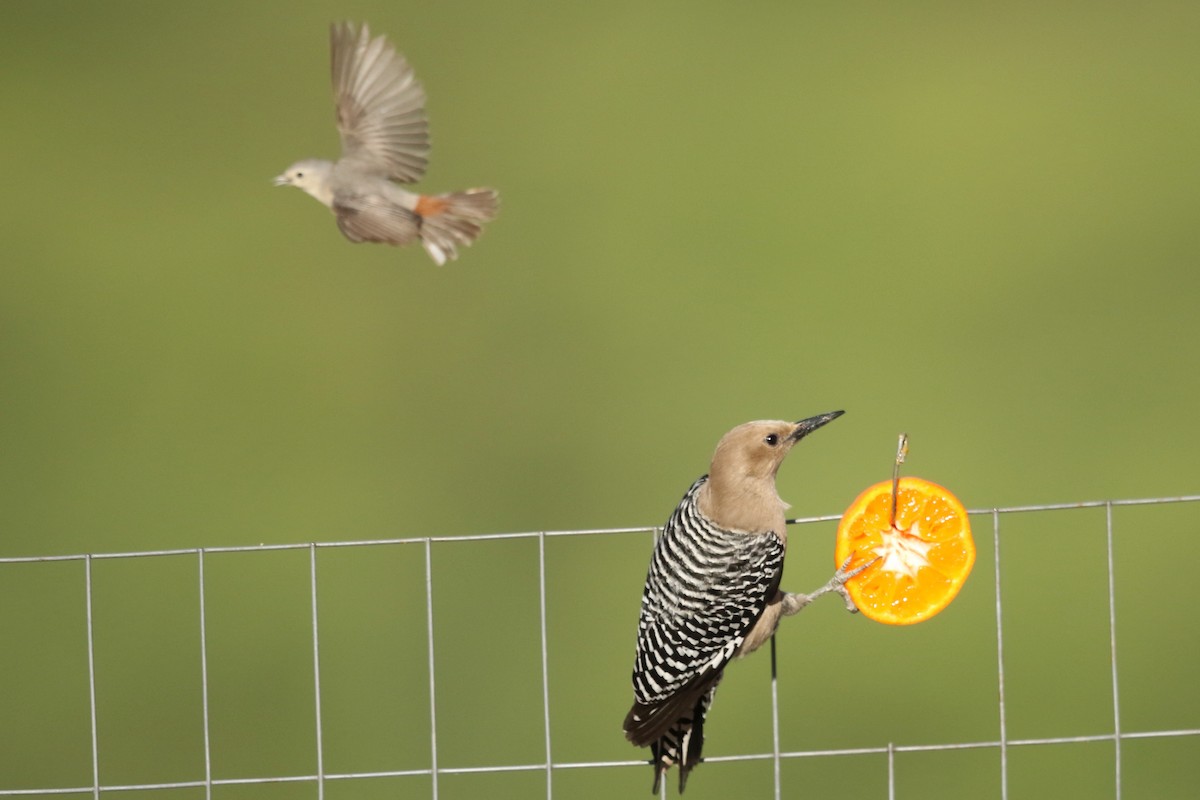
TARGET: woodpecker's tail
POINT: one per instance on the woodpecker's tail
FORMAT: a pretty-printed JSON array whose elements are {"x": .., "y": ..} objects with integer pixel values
[
  {"x": 682, "y": 743},
  {"x": 673, "y": 731},
  {"x": 457, "y": 218}
]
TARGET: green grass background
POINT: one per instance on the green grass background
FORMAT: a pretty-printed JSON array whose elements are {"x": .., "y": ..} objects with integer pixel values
[{"x": 976, "y": 223}]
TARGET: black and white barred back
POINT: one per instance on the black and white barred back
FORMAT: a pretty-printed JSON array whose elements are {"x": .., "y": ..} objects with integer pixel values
[{"x": 705, "y": 589}]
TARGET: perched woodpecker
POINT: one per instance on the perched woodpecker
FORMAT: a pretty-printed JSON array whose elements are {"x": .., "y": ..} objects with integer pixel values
[
  {"x": 385, "y": 140},
  {"x": 712, "y": 591}
]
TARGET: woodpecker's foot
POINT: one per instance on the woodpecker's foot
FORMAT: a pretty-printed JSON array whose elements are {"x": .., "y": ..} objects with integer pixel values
[
  {"x": 838, "y": 582},
  {"x": 793, "y": 602}
]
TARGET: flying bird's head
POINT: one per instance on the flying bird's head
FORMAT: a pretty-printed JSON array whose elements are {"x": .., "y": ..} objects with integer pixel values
[
  {"x": 312, "y": 175},
  {"x": 740, "y": 492}
]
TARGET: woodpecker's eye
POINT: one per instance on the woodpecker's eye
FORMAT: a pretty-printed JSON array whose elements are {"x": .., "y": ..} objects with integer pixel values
[
  {"x": 299, "y": 174},
  {"x": 771, "y": 439}
]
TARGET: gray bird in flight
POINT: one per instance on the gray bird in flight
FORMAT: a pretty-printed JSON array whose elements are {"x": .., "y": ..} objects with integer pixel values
[{"x": 380, "y": 108}]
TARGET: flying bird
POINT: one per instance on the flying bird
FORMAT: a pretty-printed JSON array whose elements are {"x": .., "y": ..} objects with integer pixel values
[
  {"x": 712, "y": 590},
  {"x": 380, "y": 108}
]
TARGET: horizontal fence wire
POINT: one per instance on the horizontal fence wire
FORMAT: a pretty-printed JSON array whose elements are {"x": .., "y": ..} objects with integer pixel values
[{"x": 1002, "y": 743}]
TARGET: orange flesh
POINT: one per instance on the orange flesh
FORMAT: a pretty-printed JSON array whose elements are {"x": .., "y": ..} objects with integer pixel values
[{"x": 923, "y": 561}]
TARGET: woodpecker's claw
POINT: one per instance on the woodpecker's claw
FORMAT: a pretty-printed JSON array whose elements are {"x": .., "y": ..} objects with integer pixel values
[
  {"x": 838, "y": 582},
  {"x": 793, "y": 601}
]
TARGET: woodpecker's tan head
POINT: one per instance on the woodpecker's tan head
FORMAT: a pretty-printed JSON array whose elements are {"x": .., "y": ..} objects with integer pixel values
[{"x": 740, "y": 493}]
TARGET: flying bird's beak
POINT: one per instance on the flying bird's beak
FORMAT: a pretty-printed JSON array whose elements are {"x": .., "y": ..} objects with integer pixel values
[
  {"x": 806, "y": 426},
  {"x": 282, "y": 180}
]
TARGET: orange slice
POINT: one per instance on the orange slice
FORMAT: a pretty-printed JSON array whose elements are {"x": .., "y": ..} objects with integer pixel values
[{"x": 923, "y": 560}]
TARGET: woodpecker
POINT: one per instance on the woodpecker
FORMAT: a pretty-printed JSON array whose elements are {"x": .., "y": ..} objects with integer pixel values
[
  {"x": 385, "y": 137},
  {"x": 712, "y": 590}
]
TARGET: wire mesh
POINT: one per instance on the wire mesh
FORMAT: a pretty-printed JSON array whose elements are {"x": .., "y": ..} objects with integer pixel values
[{"x": 210, "y": 779}]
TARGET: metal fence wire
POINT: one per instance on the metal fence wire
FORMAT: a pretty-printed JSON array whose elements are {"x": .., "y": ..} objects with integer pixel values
[{"x": 1002, "y": 743}]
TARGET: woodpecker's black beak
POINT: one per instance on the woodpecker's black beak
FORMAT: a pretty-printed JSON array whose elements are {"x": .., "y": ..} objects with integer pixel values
[{"x": 806, "y": 426}]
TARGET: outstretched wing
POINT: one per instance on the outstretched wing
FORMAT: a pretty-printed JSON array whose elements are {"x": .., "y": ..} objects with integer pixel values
[
  {"x": 705, "y": 590},
  {"x": 380, "y": 105}
]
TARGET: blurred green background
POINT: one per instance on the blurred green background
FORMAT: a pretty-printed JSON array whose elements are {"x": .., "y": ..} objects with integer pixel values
[{"x": 974, "y": 223}]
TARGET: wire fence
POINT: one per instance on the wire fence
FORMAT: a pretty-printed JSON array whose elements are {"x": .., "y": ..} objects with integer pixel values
[{"x": 1002, "y": 742}]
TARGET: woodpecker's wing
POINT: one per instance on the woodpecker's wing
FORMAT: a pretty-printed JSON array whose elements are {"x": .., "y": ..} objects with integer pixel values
[
  {"x": 380, "y": 105},
  {"x": 705, "y": 589}
]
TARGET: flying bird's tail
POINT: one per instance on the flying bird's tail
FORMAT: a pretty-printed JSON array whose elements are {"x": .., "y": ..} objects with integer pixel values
[{"x": 457, "y": 218}]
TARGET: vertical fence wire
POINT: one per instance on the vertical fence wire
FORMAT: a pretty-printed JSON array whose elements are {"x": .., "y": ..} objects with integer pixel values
[
  {"x": 891, "y": 770},
  {"x": 545, "y": 661},
  {"x": 433, "y": 754},
  {"x": 775, "y": 749},
  {"x": 316, "y": 645},
  {"x": 1112, "y": 643},
  {"x": 204, "y": 683},
  {"x": 1000, "y": 659},
  {"x": 91, "y": 654}
]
